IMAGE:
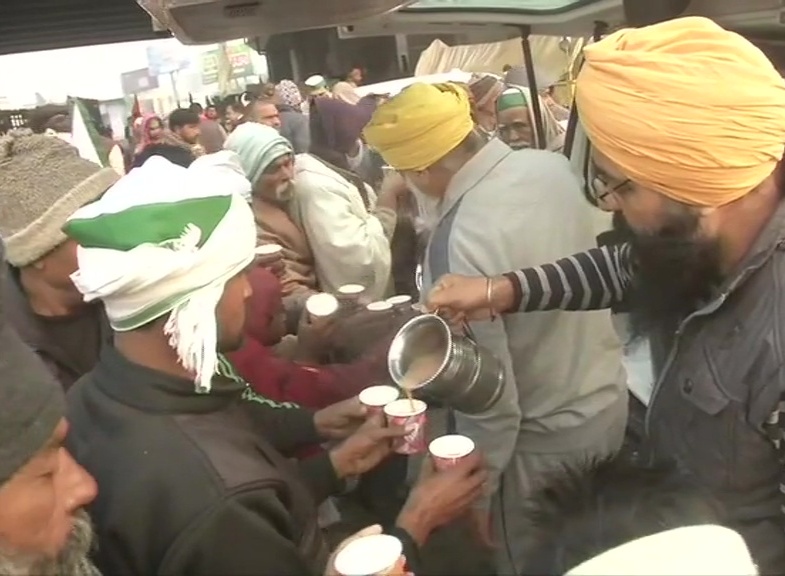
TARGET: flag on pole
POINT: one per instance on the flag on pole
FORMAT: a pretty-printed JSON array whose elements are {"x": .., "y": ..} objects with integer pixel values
[
  {"x": 84, "y": 136},
  {"x": 136, "y": 110}
]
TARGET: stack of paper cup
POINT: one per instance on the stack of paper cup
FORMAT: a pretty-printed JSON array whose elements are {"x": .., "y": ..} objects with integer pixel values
[
  {"x": 321, "y": 305},
  {"x": 375, "y": 398},
  {"x": 411, "y": 415},
  {"x": 447, "y": 451},
  {"x": 376, "y": 555}
]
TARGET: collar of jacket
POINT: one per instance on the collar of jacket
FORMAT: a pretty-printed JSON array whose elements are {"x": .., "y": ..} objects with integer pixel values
[
  {"x": 153, "y": 391},
  {"x": 771, "y": 238}
]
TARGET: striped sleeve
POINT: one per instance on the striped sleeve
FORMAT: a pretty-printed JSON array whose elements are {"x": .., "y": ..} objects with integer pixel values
[{"x": 593, "y": 280}]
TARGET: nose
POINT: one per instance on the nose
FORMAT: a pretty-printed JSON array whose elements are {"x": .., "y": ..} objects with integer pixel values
[
  {"x": 608, "y": 203},
  {"x": 80, "y": 487}
]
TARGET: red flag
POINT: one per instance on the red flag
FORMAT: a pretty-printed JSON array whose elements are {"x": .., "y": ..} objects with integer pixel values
[{"x": 136, "y": 111}]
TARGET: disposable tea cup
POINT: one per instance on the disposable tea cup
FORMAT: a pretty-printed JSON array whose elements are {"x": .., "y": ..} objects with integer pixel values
[
  {"x": 410, "y": 414},
  {"x": 447, "y": 451},
  {"x": 401, "y": 302},
  {"x": 269, "y": 252},
  {"x": 321, "y": 305},
  {"x": 375, "y": 555},
  {"x": 270, "y": 256},
  {"x": 381, "y": 306},
  {"x": 375, "y": 398}
]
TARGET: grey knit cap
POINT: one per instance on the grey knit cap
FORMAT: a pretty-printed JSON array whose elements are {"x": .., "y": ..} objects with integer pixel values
[
  {"x": 43, "y": 180},
  {"x": 31, "y": 400}
]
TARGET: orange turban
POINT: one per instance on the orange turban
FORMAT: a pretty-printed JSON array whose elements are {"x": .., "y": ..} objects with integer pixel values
[
  {"x": 420, "y": 126},
  {"x": 686, "y": 108}
]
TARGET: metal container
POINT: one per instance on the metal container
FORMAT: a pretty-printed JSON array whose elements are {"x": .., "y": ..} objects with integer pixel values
[{"x": 450, "y": 368}]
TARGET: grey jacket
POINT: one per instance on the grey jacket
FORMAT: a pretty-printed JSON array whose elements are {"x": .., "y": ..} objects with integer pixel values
[
  {"x": 721, "y": 382},
  {"x": 294, "y": 127},
  {"x": 717, "y": 406},
  {"x": 564, "y": 370}
]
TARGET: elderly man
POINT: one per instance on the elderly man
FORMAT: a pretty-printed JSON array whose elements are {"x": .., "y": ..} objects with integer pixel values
[
  {"x": 43, "y": 180},
  {"x": 564, "y": 397},
  {"x": 43, "y": 527},
  {"x": 263, "y": 111},
  {"x": 703, "y": 272},
  {"x": 516, "y": 126},
  {"x": 330, "y": 235}
]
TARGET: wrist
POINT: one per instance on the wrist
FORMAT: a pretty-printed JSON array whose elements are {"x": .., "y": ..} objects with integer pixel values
[
  {"x": 503, "y": 294},
  {"x": 414, "y": 520},
  {"x": 341, "y": 465}
]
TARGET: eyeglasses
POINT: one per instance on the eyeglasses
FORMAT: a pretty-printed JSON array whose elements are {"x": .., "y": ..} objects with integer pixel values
[{"x": 601, "y": 189}]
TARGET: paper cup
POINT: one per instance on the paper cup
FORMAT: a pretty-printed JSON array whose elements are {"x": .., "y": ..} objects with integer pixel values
[
  {"x": 270, "y": 256},
  {"x": 375, "y": 398},
  {"x": 447, "y": 451},
  {"x": 401, "y": 302},
  {"x": 349, "y": 297},
  {"x": 400, "y": 413},
  {"x": 381, "y": 306},
  {"x": 269, "y": 250},
  {"x": 376, "y": 555},
  {"x": 321, "y": 305},
  {"x": 351, "y": 290}
]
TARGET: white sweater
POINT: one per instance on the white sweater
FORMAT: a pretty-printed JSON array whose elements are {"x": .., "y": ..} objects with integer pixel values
[{"x": 349, "y": 244}]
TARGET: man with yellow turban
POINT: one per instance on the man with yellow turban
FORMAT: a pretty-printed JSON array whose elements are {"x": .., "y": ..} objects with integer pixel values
[
  {"x": 564, "y": 398},
  {"x": 687, "y": 125}
]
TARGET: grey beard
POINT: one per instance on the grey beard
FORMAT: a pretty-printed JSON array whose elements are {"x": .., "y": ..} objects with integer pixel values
[{"x": 74, "y": 560}]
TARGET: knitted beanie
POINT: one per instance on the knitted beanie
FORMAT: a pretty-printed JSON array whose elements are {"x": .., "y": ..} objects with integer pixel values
[
  {"x": 31, "y": 400},
  {"x": 43, "y": 180}
]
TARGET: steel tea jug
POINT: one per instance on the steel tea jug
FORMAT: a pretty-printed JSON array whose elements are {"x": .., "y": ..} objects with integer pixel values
[{"x": 436, "y": 364}]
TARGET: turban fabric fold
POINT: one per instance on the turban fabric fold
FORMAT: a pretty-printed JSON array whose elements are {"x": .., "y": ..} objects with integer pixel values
[
  {"x": 684, "y": 107},
  {"x": 420, "y": 126},
  {"x": 166, "y": 240}
]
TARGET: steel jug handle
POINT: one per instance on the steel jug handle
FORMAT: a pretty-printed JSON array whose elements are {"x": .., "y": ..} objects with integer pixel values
[{"x": 467, "y": 330}]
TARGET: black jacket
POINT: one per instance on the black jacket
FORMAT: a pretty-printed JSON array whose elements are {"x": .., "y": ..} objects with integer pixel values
[{"x": 195, "y": 483}]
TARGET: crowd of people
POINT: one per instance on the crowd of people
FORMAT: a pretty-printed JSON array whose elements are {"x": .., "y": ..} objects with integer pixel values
[{"x": 170, "y": 402}]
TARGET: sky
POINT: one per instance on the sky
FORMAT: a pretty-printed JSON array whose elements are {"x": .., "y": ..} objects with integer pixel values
[{"x": 89, "y": 72}]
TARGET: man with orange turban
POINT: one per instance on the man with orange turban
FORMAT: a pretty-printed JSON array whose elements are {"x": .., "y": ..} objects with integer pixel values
[
  {"x": 687, "y": 125},
  {"x": 563, "y": 398}
]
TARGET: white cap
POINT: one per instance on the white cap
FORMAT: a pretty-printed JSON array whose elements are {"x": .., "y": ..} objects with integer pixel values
[
  {"x": 316, "y": 83},
  {"x": 689, "y": 551}
]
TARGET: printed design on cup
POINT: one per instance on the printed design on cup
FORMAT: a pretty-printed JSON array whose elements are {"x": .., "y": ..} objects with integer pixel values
[
  {"x": 412, "y": 428},
  {"x": 409, "y": 414}
]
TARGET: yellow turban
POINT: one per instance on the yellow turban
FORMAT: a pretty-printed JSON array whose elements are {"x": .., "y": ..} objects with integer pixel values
[
  {"x": 686, "y": 108},
  {"x": 420, "y": 126}
]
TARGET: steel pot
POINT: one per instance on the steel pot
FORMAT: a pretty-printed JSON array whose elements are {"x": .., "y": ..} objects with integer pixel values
[{"x": 436, "y": 364}]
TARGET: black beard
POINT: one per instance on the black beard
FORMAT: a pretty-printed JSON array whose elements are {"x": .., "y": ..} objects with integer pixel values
[{"x": 676, "y": 273}]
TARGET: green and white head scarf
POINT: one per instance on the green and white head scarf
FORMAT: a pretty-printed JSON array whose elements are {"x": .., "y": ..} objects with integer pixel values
[
  {"x": 511, "y": 98},
  {"x": 520, "y": 97},
  {"x": 165, "y": 240}
]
